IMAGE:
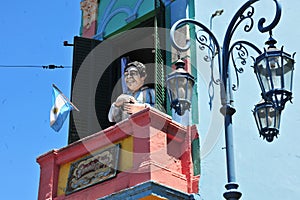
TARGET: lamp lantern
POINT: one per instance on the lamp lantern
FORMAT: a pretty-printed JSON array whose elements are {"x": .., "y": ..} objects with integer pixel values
[
  {"x": 267, "y": 119},
  {"x": 274, "y": 71},
  {"x": 180, "y": 88}
]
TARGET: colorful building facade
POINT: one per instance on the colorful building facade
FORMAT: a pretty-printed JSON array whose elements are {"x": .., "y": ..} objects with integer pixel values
[{"x": 147, "y": 156}]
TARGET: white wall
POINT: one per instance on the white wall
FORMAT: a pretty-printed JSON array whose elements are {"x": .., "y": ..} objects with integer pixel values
[{"x": 264, "y": 170}]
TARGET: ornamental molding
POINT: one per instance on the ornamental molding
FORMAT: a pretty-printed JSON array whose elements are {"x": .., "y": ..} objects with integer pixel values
[{"x": 89, "y": 8}]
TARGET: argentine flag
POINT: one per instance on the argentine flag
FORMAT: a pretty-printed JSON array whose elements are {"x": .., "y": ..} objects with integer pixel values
[{"x": 60, "y": 109}]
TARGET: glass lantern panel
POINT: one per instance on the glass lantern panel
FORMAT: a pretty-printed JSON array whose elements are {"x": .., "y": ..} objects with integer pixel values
[
  {"x": 263, "y": 75},
  {"x": 181, "y": 90},
  {"x": 261, "y": 117},
  {"x": 276, "y": 72},
  {"x": 288, "y": 66},
  {"x": 257, "y": 120},
  {"x": 271, "y": 116},
  {"x": 190, "y": 90},
  {"x": 277, "y": 119},
  {"x": 172, "y": 88}
]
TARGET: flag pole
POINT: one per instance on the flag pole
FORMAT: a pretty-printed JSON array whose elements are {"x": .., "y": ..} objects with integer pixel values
[{"x": 66, "y": 98}]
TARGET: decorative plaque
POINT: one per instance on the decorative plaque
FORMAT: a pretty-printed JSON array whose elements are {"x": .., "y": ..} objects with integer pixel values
[{"x": 93, "y": 169}]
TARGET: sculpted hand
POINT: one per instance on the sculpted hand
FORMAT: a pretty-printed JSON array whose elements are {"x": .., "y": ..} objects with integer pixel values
[
  {"x": 132, "y": 108},
  {"x": 123, "y": 98}
]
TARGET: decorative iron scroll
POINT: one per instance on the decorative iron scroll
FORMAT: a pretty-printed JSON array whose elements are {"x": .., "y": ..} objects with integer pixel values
[
  {"x": 93, "y": 169},
  {"x": 244, "y": 18}
]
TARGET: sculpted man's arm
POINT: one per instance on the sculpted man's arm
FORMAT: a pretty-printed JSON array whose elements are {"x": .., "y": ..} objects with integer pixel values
[{"x": 115, "y": 112}]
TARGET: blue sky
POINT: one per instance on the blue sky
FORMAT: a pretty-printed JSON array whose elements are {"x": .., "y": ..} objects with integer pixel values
[{"x": 32, "y": 35}]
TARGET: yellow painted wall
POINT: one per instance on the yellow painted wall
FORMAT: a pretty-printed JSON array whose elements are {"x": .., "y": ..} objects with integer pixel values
[{"x": 125, "y": 163}]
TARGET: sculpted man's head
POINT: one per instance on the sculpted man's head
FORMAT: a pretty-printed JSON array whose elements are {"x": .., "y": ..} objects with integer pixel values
[
  {"x": 135, "y": 75},
  {"x": 136, "y": 98}
]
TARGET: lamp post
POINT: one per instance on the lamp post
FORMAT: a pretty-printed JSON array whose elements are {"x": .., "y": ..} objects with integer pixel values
[{"x": 273, "y": 69}]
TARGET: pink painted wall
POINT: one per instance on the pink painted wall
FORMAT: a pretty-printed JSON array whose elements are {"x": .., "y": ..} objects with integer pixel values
[{"x": 162, "y": 153}]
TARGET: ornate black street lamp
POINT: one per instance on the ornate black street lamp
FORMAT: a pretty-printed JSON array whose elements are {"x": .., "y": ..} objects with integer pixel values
[{"x": 273, "y": 69}]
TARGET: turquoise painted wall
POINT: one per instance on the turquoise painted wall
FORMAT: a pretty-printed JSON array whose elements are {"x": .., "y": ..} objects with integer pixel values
[{"x": 114, "y": 15}]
